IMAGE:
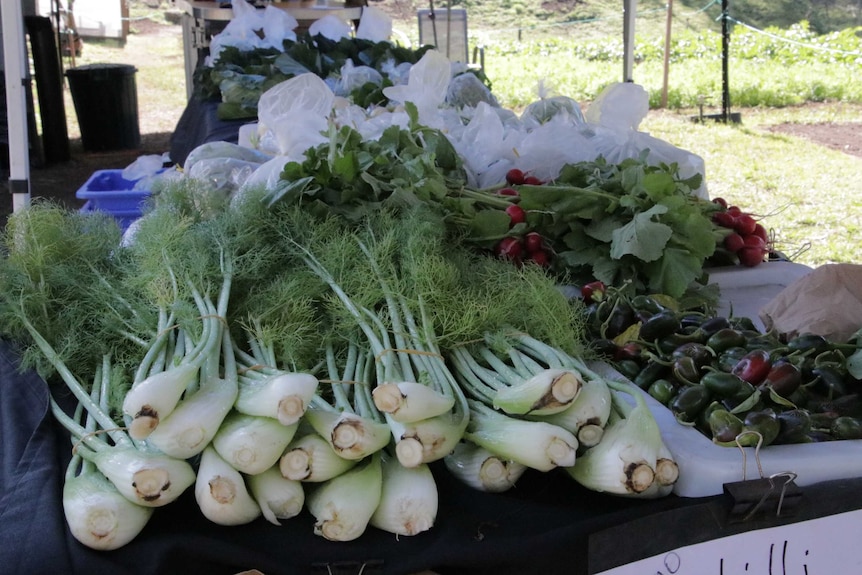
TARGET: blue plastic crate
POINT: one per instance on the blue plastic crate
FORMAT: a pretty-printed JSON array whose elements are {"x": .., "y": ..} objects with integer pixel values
[
  {"x": 109, "y": 191},
  {"x": 123, "y": 218}
]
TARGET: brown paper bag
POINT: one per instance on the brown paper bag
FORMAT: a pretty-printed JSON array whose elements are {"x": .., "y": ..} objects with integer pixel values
[{"x": 827, "y": 301}]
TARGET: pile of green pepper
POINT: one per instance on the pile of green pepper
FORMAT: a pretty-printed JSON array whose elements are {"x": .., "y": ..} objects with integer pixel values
[{"x": 725, "y": 377}]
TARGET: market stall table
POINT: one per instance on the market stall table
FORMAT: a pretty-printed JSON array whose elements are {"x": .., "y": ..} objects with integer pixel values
[{"x": 547, "y": 524}]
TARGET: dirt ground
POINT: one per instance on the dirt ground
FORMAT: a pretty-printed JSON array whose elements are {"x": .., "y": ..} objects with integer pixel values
[{"x": 61, "y": 180}]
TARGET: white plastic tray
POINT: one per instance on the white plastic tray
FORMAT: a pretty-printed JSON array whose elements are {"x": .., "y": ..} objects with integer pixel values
[
  {"x": 704, "y": 467},
  {"x": 744, "y": 291}
]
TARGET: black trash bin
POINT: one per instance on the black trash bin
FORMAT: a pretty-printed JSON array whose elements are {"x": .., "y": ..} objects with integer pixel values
[{"x": 106, "y": 103}]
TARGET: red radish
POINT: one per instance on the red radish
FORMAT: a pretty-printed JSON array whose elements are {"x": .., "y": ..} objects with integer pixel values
[
  {"x": 752, "y": 241},
  {"x": 593, "y": 291},
  {"x": 745, "y": 224},
  {"x": 515, "y": 177},
  {"x": 517, "y": 214},
  {"x": 540, "y": 257},
  {"x": 734, "y": 211},
  {"x": 720, "y": 201},
  {"x": 533, "y": 181},
  {"x": 507, "y": 192},
  {"x": 724, "y": 219},
  {"x": 751, "y": 256},
  {"x": 734, "y": 242},
  {"x": 510, "y": 248},
  {"x": 761, "y": 232},
  {"x": 533, "y": 242}
]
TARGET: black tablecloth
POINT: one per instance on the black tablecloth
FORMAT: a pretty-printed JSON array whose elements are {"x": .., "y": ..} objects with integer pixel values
[{"x": 200, "y": 124}]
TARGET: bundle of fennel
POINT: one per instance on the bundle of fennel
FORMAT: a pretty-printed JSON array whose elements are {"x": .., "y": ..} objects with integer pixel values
[{"x": 280, "y": 361}]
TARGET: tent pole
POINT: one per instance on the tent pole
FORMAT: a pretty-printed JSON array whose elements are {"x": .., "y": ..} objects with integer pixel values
[
  {"x": 629, "y": 14},
  {"x": 17, "y": 81}
]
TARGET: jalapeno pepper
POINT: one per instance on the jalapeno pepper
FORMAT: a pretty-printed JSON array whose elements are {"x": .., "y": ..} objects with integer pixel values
[
  {"x": 722, "y": 384},
  {"x": 783, "y": 378},
  {"x": 754, "y": 366},
  {"x": 629, "y": 368},
  {"x": 846, "y": 427},
  {"x": 651, "y": 372},
  {"x": 700, "y": 353},
  {"x": 662, "y": 390},
  {"x": 829, "y": 382},
  {"x": 685, "y": 370},
  {"x": 660, "y": 325},
  {"x": 809, "y": 343},
  {"x": 647, "y": 304},
  {"x": 794, "y": 426},
  {"x": 764, "y": 422},
  {"x": 724, "y": 339},
  {"x": 689, "y": 402},
  {"x": 724, "y": 426},
  {"x": 728, "y": 360}
]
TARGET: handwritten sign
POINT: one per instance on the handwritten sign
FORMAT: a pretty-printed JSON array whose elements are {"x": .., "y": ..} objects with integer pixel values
[{"x": 824, "y": 546}]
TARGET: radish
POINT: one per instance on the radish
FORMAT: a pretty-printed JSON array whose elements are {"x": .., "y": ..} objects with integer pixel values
[
  {"x": 516, "y": 214},
  {"x": 515, "y": 177},
  {"x": 734, "y": 242},
  {"x": 751, "y": 256},
  {"x": 540, "y": 258},
  {"x": 533, "y": 181},
  {"x": 533, "y": 242},
  {"x": 761, "y": 232},
  {"x": 510, "y": 248},
  {"x": 745, "y": 224},
  {"x": 507, "y": 192},
  {"x": 724, "y": 219}
]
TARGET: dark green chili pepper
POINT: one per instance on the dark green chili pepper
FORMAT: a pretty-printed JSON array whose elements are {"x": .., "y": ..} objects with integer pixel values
[
  {"x": 724, "y": 426},
  {"x": 794, "y": 426},
  {"x": 698, "y": 352},
  {"x": 629, "y": 368},
  {"x": 662, "y": 391},
  {"x": 742, "y": 323},
  {"x": 809, "y": 343},
  {"x": 689, "y": 402},
  {"x": 724, "y": 339},
  {"x": 764, "y": 422},
  {"x": 846, "y": 427},
  {"x": 604, "y": 347},
  {"x": 713, "y": 325},
  {"x": 828, "y": 382},
  {"x": 722, "y": 384},
  {"x": 659, "y": 326},
  {"x": 651, "y": 372},
  {"x": 647, "y": 304},
  {"x": 685, "y": 370}
]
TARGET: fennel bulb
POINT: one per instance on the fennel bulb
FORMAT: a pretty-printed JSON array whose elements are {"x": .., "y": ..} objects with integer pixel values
[
  {"x": 536, "y": 444},
  {"x": 631, "y": 459},
  {"x": 152, "y": 399},
  {"x": 221, "y": 493},
  {"x": 250, "y": 443},
  {"x": 278, "y": 497},
  {"x": 409, "y": 500},
  {"x": 351, "y": 436},
  {"x": 98, "y": 515},
  {"x": 408, "y": 401},
  {"x": 145, "y": 478},
  {"x": 343, "y": 505},
  {"x": 285, "y": 396},
  {"x": 311, "y": 458},
  {"x": 482, "y": 470}
]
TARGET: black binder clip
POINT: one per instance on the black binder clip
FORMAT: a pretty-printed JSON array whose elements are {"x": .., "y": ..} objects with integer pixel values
[{"x": 774, "y": 495}]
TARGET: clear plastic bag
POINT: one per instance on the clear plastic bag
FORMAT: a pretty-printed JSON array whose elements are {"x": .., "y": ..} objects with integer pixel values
[
  {"x": 332, "y": 27},
  {"x": 426, "y": 87},
  {"x": 292, "y": 114},
  {"x": 374, "y": 25}
]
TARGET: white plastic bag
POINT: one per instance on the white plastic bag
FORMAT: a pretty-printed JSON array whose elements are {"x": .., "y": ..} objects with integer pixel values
[
  {"x": 426, "y": 86},
  {"x": 332, "y": 27},
  {"x": 241, "y": 31},
  {"x": 144, "y": 166},
  {"x": 547, "y": 148},
  {"x": 374, "y": 25},
  {"x": 292, "y": 114},
  {"x": 354, "y": 77}
]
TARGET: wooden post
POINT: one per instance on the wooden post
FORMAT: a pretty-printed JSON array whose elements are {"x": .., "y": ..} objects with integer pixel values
[{"x": 666, "y": 53}]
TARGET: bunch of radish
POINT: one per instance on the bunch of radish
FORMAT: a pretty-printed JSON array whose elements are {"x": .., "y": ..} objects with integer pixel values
[
  {"x": 746, "y": 238},
  {"x": 530, "y": 246}
]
